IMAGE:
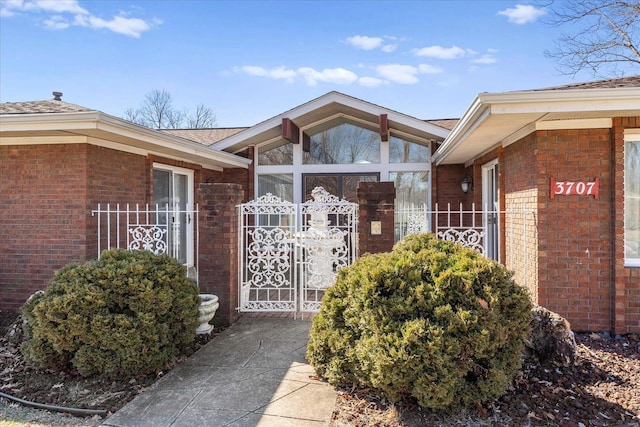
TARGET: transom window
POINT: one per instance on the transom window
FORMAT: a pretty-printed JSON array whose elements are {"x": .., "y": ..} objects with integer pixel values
[{"x": 343, "y": 145}]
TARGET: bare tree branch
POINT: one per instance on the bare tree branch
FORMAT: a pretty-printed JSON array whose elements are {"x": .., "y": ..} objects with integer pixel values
[
  {"x": 603, "y": 36},
  {"x": 157, "y": 112}
]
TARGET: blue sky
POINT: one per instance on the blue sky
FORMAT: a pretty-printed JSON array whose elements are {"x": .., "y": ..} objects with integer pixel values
[{"x": 252, "y": 60}]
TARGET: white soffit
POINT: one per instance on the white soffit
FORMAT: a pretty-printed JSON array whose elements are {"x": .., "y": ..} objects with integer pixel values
[
  {"x": 102, "y": 129},
  {"x": 495, "y": 120}
]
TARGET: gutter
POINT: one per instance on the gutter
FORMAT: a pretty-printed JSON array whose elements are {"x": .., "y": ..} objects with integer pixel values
[{"x": 96, "y": 120}]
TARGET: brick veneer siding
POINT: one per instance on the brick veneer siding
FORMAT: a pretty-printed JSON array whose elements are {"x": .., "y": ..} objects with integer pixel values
[
  {"x": 218, "y": 257},
  {"x": 45, "y": 214},
  {"x": 244, "y": 177},
  {"x": 376, "y": 203},
  {"x": 517, "y": 169},
  {"x": 574, "y": 232},
  {"x": 626, "y": 286},
  {"x": 574, "y": 258}
]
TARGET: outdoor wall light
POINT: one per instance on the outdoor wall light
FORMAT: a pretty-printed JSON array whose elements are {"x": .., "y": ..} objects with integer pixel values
[{"x": 467, "y": 183}]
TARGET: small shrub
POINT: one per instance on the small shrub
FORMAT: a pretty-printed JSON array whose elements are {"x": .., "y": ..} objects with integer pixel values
[
  {"x": 429, "y": 320},
  {"x": 128, "y": 312}
]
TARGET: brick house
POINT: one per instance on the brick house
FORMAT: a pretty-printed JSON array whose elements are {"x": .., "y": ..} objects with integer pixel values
[
  {"x": 554, "y": 174},
  {"x": 571, "y": 156},
  {"x": 59, "y": 160}
]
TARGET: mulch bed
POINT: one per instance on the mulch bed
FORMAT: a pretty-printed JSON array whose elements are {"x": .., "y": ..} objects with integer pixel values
[{"x": 601, "y": 389}]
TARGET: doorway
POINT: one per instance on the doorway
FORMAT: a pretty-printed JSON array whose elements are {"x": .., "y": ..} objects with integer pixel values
[
  {"x": 173, "y": 197},
  {"x": 490, "y": 203}
]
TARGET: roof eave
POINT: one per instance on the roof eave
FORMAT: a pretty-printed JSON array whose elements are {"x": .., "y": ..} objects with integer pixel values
[
  {"x": 578, "y": 100},
  {"x": 233, "y": 142},
  {"x": 95, "y": 120}
]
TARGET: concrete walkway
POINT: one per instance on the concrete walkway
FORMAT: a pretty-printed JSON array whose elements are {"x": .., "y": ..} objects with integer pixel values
[{"x": 252, "y": 374}]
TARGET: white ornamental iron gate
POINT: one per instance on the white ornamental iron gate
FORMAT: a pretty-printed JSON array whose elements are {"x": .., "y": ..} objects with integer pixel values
[{"x": 289, "y": 254}]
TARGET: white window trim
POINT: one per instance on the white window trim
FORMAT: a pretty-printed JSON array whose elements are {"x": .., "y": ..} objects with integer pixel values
[
  {"x": 190, "y": 205},
  {"x": 383, "y": 168},
  {"x": 630, "y": 135}
]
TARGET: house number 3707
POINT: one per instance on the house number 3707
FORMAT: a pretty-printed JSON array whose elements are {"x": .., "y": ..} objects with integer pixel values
[{"x": 578, "y": 188}]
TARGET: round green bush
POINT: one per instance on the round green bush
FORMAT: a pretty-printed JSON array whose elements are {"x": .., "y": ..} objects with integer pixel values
[
  {"x": 127, "y": 313},
  {"x": 430, "y": 320}
]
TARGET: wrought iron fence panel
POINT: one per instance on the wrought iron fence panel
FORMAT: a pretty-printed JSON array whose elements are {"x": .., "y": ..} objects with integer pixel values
[
  {"x": 144, "y": 227},
  {"x": 267, "y": 255}
]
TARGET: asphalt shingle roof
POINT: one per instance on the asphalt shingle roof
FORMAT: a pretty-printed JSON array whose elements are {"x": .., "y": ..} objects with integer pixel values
[
  {"x": 205, "y": 136},
  {"x": 35, "y": 107},
  {"x": 630, "y": 81}
]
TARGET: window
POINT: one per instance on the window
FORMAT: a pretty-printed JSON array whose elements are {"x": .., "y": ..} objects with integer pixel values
[
  {"x": 280, "y": 185},
  {"x": 343, "y": 144},
  {"x": 343, "y": 186},
  {"x": 402, "y": 151},
  {"x": 173, "y": 196},
  {"x": 632, "y": 200},
  {"x": 281, "y": 155}
]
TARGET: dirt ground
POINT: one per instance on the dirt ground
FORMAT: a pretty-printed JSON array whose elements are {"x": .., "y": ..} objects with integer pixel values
[{"x": 601, "y": 389}]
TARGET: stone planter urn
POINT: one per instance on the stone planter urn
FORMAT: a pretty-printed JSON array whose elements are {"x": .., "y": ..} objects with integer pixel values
[{"x": 208, "y": 306}]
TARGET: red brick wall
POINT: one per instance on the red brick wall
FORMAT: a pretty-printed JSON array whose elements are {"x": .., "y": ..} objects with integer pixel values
[
  {"x": 376, "y": 202},
  {"x": 446, "y": 186},
  {"x": 627, "y": 279},
  {"x": 244, "y": 177},
  {"x": 48, "y": 192},
  {"x": 517, "y": 169},
  {"x": 219, "y": 246},
  {"x": 574, "y": 232},
  {"x": 42, "y": 216}
]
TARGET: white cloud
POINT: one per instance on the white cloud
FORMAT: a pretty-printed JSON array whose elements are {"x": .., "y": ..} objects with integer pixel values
[
  {"x": 365, "y": 42},
  {"x": 328, "y": 75},
  {"x": 56, "y": 22},
  {"x": 279, "y": 73},
  {"x": 398, "y": 73},
  {"x": 310, "y": 75},
  {"x": 132, "y": 27},
  {"x": 388, "y": 48},
  {"x": 429, "y": 69},
  {"x": 440, "y": 52},
  {"x": 57, "y": 6},
  {"x": 121, "y": 24},
  {"x": 523, "y": 14},
  {"x": 370, "y": 81},
  {"x": 485, "y": 59}
]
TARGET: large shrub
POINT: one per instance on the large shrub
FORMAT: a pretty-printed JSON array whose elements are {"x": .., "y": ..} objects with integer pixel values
[
  {"x": 431, "y": 320},
  {"x": 126, "y": 313}
]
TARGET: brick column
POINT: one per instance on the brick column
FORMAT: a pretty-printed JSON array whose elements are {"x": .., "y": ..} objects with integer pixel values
[
  {"x": 376, "y": 204},
  {"x": 218, "y": 252}
]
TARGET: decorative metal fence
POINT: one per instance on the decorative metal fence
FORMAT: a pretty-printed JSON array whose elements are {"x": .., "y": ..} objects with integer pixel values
[
  {"x": 161, "y": 230},
  {"x": 481, "y": 230},
  {"x": 289, "y": 254}
]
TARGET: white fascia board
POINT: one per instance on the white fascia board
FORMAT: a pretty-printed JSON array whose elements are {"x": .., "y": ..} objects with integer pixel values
[
  {"x": 541, "y": 102},
  {"x": 166, "y": 140},
  {"x": 331, "y": 97},
  {"x": 95, "y": 120},
  {"x": 562, "y": 100},
  {"x": 472, "y": 118}
]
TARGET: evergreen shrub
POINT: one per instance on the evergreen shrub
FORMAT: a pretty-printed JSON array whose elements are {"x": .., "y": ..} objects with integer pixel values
[
  {"x": 127, "y": 313},
  {"x": 430, "y": 320}
]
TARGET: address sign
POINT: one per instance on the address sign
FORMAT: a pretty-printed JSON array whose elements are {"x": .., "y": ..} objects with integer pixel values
[{"x": 578, "y": 188}]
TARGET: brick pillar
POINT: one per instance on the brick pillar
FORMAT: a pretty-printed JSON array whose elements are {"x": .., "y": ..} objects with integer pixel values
[
  {"x": 218, "y": 252},
  {"x": 376, "y": 204}
]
